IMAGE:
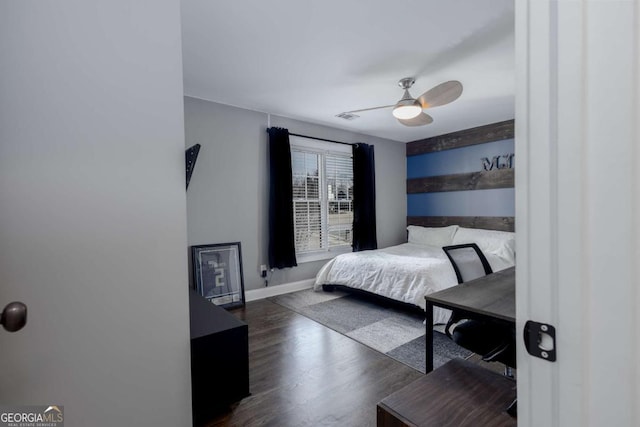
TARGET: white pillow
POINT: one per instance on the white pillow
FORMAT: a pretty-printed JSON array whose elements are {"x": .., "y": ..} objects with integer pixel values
[
  {"x": 490, "y": 242},
  {"x": 432, "y": 236},
  {"x": 498, "y": 263}
]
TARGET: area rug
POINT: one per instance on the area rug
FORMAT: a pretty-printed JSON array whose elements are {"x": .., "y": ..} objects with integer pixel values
[{"x": 396, "y": 332}]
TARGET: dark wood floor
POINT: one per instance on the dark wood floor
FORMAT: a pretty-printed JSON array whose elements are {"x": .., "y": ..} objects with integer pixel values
[{"x": 304, "y": 374}]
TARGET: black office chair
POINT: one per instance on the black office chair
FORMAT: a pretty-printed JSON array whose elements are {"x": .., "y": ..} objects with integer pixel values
[{"x": 493, "y": 340}]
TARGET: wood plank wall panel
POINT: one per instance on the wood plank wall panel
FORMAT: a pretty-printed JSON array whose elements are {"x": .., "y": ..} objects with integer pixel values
[
  {"x": 478, "y": 135},
  {"x": 481, "y": 180},
  {"x": 502, "y": 178},
  {"x": 506, "y": 223}
]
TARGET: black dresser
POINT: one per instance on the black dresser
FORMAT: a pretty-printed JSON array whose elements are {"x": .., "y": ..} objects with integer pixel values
[{"x": 219, "y": 359}]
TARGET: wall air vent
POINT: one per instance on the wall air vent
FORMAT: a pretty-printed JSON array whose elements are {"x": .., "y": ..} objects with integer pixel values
[{"x": 347, "y": 116}]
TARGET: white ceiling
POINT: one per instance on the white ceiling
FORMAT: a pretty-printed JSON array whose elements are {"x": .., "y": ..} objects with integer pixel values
[{"x": 311, "y": 60}]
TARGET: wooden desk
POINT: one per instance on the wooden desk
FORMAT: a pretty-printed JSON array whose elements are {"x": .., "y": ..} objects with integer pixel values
[
  {"x": 492, "y": 296},
  {"x": 459, "y": 393}
]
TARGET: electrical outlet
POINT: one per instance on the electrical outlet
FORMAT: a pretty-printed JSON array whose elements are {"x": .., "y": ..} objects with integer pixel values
[{"x": 263, "y": 270}]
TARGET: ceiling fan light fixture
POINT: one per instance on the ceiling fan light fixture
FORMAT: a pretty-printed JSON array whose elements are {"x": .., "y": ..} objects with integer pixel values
[{"x": 407, "y": 109}]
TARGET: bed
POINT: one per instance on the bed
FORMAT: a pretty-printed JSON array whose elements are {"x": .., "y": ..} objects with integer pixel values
[{"x": 409, "y": 271}]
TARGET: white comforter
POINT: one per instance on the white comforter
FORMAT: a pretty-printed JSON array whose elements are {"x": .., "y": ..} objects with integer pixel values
[{"x": 404, "y": 273}]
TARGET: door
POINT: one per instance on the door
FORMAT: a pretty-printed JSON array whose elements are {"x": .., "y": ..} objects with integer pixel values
[
  {"x": 578, "y": 209},
  {"x": 93, "y": 211}
]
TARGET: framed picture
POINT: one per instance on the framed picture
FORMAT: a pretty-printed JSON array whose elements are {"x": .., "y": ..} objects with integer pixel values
[{"x": 217, "y": 271}]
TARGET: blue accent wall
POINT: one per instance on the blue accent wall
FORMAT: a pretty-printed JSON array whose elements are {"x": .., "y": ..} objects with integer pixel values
[
  {"x": 458, "y": 160},
  {"x": 495, "y": 202}
]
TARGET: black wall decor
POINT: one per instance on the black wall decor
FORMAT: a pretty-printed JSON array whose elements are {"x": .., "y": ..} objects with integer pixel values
[{"x": 190, "y": 160}]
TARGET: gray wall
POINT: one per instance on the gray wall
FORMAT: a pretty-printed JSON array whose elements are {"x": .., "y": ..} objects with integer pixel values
[
  {"x": 227, "y": 199},
  {"x": 93, "y": 211}
]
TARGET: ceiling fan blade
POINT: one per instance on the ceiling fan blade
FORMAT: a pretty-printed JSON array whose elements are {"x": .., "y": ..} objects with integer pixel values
[
  {"x": 420, "y": 120},
  {"x": 372, "y": 108},
  {"x": 442, "y": 94}
]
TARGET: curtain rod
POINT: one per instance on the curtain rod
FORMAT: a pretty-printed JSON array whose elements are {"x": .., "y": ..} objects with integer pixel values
[{"x": 321, "y": 139}]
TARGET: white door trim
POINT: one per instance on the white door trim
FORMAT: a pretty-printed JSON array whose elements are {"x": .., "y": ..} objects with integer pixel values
[{"x": 578, "y": 209}]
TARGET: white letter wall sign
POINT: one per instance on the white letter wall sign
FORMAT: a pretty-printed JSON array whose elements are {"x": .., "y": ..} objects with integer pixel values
[{"x": 504, "y": 161}]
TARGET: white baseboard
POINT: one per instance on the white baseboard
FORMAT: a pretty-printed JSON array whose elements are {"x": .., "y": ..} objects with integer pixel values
[{"x": 271, "y": 291}]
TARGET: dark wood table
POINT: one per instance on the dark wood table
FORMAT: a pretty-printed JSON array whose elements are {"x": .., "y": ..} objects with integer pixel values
[
  {"x": 493, "y": 296},
  {"x": 459, "y": 393},
  {"x": 219, "y": 359}
]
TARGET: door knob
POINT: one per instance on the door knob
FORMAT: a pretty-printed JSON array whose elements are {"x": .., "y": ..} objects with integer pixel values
[{"x": 14, "y": 316}]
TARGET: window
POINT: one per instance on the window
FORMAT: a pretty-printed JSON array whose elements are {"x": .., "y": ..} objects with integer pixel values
[{"x": 322, "y": 198}]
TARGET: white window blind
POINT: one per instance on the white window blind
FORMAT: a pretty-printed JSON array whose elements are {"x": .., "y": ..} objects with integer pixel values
[{"x": 322, "y": 196}]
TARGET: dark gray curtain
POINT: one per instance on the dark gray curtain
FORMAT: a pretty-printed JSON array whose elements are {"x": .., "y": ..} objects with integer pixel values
[
  {"x": 364, "y": 198},
  {"x": 282, "y": 250}
]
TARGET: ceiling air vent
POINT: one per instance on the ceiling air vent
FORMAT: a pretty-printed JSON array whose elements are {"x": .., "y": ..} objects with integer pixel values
[{"x": 347, "y": 116}]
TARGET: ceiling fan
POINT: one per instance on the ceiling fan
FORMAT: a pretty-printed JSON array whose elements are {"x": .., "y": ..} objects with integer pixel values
[{"x": 408, "y": 110}]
